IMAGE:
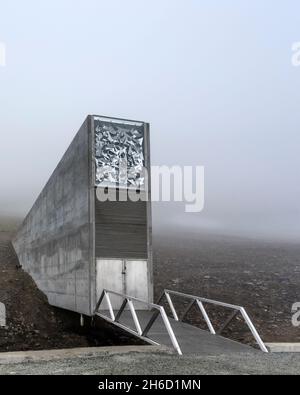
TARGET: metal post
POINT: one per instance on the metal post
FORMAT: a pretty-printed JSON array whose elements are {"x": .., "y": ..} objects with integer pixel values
[
  {"x": 161, "y": 297},
  {"x": 253, "y": 330},
  {"x": 121, "y": 310},
  {"x": 99, "y": 301},
  {"x": 81, "y": 320},
  {"x": 135, "y": 318},
  {"x": 172, "y": 307},
  {"x": 170, "y": 330},
  {"x": 151, "y": 322},
  {"x": 111, "y": 312},
  {"x": 203, "y": 311}
]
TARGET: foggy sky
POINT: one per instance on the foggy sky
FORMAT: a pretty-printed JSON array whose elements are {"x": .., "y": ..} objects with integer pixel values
[{"x": 214, "y": 79}]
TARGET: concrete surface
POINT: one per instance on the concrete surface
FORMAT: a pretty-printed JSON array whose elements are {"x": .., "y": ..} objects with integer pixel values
[
  {"x": 283, "y": 347},
  {"x": 70, "y": 353},
  {"x": 2, "y": 315},
  {"x": 190, "y": 338},
  {"x": 152, "y": 361}
]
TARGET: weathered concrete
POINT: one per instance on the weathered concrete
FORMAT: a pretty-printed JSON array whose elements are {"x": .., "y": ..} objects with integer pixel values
[
  {"x": 283, "y": 347},
  {"x": 2, "y": 315},
  {"x": 159, "y": 363},
  {"x": 82, "y": 352}
]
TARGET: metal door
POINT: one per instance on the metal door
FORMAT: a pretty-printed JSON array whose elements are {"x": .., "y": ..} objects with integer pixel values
[{"x": 125, "y": 276}]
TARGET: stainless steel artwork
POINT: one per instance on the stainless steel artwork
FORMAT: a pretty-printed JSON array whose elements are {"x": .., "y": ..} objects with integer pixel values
[{"x": 119, "y": 154}]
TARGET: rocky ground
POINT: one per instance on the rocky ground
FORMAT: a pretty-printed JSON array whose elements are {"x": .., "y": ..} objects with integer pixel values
[
  {"x": 264, "y": 277},
  {"x": 34, "y": 325},
  {"x": 261, "y": 276}
]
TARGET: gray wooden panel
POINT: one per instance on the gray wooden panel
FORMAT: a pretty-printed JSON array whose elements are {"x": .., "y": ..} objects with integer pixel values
[{"x": 121, "y": 229}]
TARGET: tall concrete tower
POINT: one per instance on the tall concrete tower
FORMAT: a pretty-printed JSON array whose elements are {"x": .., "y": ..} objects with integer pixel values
[{"x": 90, "y": 227}]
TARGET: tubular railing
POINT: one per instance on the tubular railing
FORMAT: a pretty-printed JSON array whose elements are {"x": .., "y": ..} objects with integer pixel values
[
  {"x": 199, "y": 302},
  {"x": 141, "y": 333}
]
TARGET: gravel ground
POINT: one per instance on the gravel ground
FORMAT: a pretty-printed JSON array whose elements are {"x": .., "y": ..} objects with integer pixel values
[
  {"x": 163, "y": 364},
  {"x": 262, "y": 276}
]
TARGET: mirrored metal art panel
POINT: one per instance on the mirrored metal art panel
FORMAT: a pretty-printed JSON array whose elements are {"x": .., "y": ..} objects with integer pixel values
[{"x": 119, "y": 153}]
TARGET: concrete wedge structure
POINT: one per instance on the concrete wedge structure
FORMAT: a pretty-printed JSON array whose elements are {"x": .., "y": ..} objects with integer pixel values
[{"x": 75, "y": 245}]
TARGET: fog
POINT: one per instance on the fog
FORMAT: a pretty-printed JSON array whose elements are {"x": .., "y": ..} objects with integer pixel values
[{"x": 214, "y": 79}]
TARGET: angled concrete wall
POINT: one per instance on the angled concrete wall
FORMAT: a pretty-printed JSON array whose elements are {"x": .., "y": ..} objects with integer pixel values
[
  {"x": 53, "y": 243},
  {"x": 67, "y": 229}
]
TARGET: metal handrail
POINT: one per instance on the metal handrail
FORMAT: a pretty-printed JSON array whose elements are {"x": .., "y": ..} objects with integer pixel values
[
  {"x": 199, "y": 301},
  {"x": 141, "y": 333}
]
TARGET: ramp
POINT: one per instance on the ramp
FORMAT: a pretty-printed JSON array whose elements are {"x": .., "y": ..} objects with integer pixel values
[
  {"x": 155, "y": 327},
  {"x": 190, "y": 338}
]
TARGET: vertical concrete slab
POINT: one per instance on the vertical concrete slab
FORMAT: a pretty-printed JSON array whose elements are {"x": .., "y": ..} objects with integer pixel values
[{"x": 123, "y": 229}]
